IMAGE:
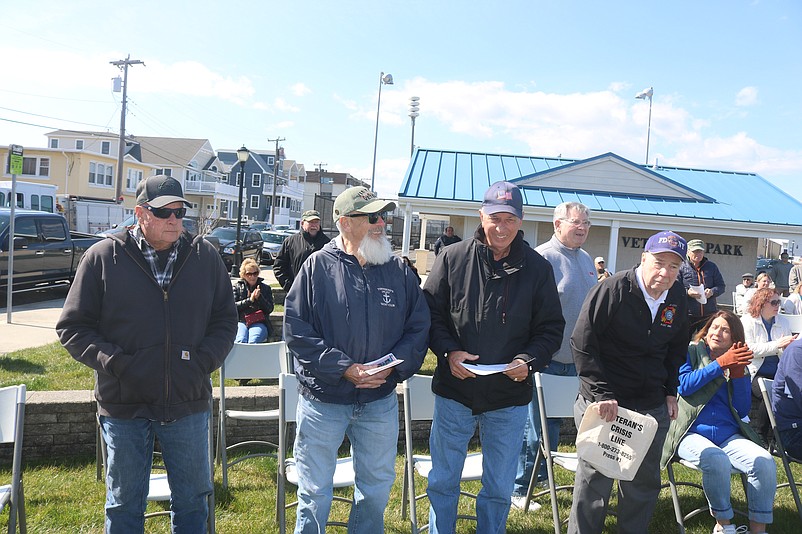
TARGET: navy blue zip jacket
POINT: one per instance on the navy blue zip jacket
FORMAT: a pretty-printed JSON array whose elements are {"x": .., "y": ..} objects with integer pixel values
[{"x": 338, "y": 313}]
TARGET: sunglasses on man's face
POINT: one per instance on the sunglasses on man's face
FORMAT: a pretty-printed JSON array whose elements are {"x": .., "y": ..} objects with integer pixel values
[
  {"x": 373, "y": 218},
  {"x": 164, "y": 213}
]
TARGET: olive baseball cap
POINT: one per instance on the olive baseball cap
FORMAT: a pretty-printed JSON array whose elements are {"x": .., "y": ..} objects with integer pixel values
[
  {"x": 310, "y": 215},
  {"x": 360, "y": 200},
  {"x": 160, "y": 190},
  {"x": 696, "y": 244}
]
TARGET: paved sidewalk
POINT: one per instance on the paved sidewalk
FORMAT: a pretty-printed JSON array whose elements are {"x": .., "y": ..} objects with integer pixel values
[{"x": 32, "y": 325}]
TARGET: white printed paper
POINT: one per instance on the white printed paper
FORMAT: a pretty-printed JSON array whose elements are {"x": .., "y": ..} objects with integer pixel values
[
  {"x": 385, "y": 362},
  {"x": 701, "y": 290}
]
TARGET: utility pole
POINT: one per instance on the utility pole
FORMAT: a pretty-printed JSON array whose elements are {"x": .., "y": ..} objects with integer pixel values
[
  {"x": 275, "y": 179},
  {"x": 123, "y": 65}
]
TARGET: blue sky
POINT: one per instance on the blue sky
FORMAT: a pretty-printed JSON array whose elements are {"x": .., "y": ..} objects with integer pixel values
[{"x": 545, "y": 78}]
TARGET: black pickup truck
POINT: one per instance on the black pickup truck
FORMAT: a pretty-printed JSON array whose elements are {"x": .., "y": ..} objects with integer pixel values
[{"x": 45, "y": 251}]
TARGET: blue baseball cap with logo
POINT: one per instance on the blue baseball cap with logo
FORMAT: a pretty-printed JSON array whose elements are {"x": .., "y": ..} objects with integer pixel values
[
  {"x": 667, "y": 242},
  {"x": 503, "y": 197}
]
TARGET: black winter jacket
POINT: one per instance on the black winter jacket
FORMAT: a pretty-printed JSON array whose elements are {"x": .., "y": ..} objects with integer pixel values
[
  {"x": 496, "y": 313},
  {"x": 620, "y": 353},
  {"x": 242, "y": 299},
  {"x": 153, "y": 349},
  {"x": 293, "y": 253}
]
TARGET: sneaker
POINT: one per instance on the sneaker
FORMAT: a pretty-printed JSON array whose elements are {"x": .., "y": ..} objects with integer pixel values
[
  {"x": 730, "y": 529},
  {"x": 518, "y": 502}
]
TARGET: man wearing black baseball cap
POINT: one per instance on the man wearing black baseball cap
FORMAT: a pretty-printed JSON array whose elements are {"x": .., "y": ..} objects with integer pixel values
[
  {"x": 493, "y": 300},
  {"x": 153, "y": 314},
  {"x": 629, "y": 342}
]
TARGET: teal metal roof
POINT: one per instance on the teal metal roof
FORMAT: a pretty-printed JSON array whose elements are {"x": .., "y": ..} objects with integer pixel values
[{"x": 722, "y": 195}]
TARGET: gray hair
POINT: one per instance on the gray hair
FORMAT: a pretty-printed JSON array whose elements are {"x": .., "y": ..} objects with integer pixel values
[{"x": 561, "y": 211}]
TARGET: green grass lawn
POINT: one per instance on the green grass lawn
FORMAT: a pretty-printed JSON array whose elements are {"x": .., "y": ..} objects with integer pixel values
[{"x": 64, "y": 496}]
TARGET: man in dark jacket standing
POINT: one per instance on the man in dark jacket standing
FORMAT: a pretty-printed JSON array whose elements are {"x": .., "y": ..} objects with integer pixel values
[
  {"x": 153, "y": 314},
  {"x": 493, "y": 302},
  {"x": 448, "y": 238},
  {"x": 296, "y": 248},
  {"x": 351, "y": 304},
  {"x": 698, "y": 271},
  {"x": 629, "y": 342}
]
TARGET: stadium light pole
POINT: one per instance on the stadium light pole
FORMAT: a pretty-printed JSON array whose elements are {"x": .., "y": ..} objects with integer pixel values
[
  {"x": 643, "y": 95},
  {"x": 414, "y": 105},
  {"x": 384, "y": 79}
]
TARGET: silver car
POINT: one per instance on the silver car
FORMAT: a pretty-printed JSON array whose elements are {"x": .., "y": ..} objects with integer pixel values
[{"x": 271, "y": 244}]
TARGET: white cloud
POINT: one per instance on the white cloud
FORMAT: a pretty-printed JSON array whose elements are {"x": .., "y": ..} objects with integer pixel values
[
  {"x": 746, "y": 97},
  {"x": 283, "y": 105},
  {"x": 300, "y": 89}
]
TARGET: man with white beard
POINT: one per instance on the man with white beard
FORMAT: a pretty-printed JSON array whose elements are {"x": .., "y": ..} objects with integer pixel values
[{"x": 352, "y": 303}]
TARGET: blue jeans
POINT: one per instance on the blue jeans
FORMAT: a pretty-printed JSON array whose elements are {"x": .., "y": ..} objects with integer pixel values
[
  {"x": 531, "y": 441},
  {"x": 372, "y": 429},
  {"x": 500, "y": 433},
  {"x": 256, "y": 333},
  {"x": 130, "y": 456},
  {"x": 715, "y": 463}
]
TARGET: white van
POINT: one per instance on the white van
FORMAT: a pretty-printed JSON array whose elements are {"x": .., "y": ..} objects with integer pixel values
[{"x": 30, "y": 196}]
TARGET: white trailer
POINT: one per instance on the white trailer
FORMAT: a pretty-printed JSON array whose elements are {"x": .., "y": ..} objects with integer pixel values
[
  {"x": 30, "y": 196},
  {"x": 90, "y": 215}
]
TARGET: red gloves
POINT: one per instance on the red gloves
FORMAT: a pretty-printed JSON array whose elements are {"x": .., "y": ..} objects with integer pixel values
[{"x": 735, "y": 359}]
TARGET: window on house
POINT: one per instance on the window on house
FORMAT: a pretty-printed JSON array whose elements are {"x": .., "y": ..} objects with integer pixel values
[
  {"x": 166, "y": 172},
  {"x": 255, "y": 201},
  {"x": 105, "y": 147},
  {"x": 54, "y": 143},
  {"x": 132, "y": 179},
  {"x": 271, "y": 160},
  {"x": 101, "y": 174},
  {"x": 29, "y": 166},
  {"x": 239, "y": 176},
  {"x": 224, "y": 178},
  {"x": 79, "y": 144},
  {"x": 44, "y": 167},
  {"x": 256, "y": 180}
]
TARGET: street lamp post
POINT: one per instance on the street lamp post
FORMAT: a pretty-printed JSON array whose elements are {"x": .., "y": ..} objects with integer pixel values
[
  {"x": 242, "y": 156},
  {"x": 384, "y": 79},
  {"x": 414, "y": 104},
  {"x": 643, "y": 95}
]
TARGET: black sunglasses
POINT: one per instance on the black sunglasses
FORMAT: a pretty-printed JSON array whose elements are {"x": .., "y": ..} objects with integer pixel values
[
  {"x": 164, "y": 213},
  {"x": 373, "y": 218}
]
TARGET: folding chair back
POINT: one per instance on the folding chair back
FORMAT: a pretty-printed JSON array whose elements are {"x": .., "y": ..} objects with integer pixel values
[
  {"x": 12, "y": 419},
  {"x": 794, "y": 323},
  {"x": 556, "y": 396},
  {"x": 287, "y": 473},
  {"x": 248, "y": 361},
  {"x": 766, "y": 386},
  {"x": 419, "y": 406}
]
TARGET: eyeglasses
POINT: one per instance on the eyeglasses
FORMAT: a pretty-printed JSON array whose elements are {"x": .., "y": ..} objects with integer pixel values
[
  {"x": 255, "y": 273},
  {"x": 164, "y": 213},
  {"x": 577, "y": 222},
  {"x": 373, "y": 218},
  {"x": 775, "y": 302}
]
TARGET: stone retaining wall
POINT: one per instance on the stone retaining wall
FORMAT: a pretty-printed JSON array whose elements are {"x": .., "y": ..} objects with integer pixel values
[{"x": 61, "y": 424}]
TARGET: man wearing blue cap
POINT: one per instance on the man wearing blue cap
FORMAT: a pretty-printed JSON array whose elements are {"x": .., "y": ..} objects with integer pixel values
[
  {"x": 493, "y": 300},
  {"x": 629, "y": 342}
]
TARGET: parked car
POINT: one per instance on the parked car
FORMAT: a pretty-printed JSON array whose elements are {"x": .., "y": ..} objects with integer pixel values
[
  {"x": 227, "y": 237},
  {"x": 282, "y": 227},
  {"x": 261, "y": 226},
  {"x": 764, "y": 264},
  {"x": 45, "y": 251},
  {"x": 271, "y": 244}
]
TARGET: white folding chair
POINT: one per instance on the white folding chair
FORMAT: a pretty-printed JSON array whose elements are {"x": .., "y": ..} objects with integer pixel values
[
  {"x": 556, "y": 396},
  {"x": 12, "y": 419},
  {"x": 778, "y": 450},
  {"x": 794, "y": 322},
  {"x": 248, "y": 361},
  {"x": 344, "y": 475},
  {"x": 419, "y": 406}
]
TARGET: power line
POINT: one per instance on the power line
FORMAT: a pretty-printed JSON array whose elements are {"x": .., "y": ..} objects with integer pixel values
[
  {"x": 55, "y": 97},
  {"x": 49, "y": 117}
]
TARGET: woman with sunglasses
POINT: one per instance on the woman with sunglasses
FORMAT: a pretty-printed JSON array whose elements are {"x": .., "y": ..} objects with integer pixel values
[
  {"x": 252, "y": 295},
  {"x": 767, "y": 334},
  {"x": 709, "y": 431}
]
